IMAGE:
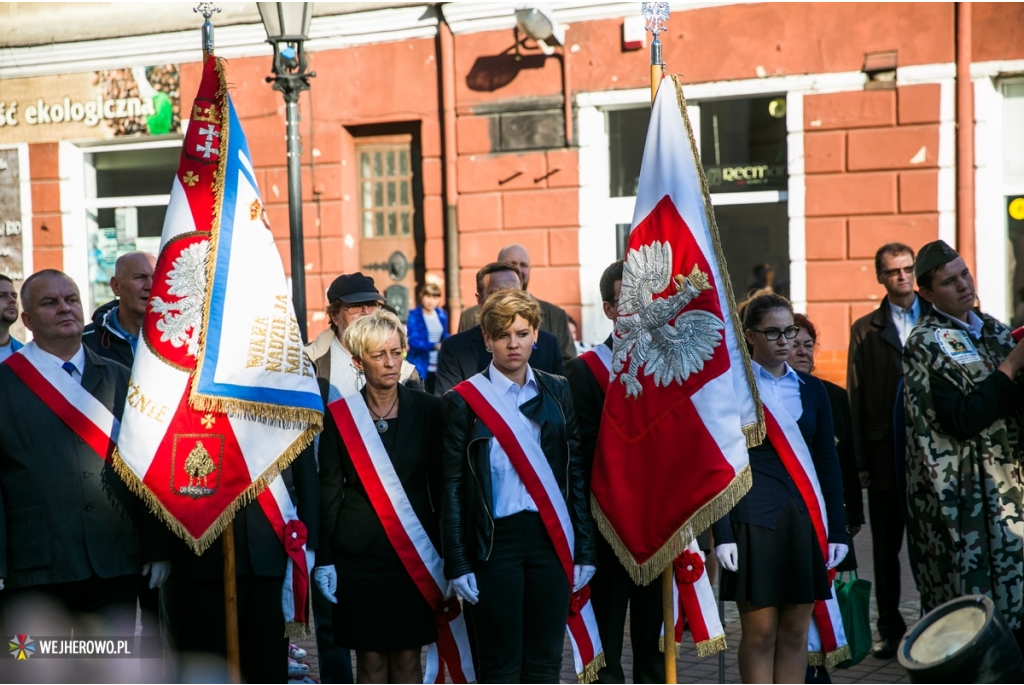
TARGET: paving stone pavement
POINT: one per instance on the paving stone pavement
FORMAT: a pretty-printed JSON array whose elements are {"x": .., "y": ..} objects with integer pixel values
[{"x": 691, "y": 669}]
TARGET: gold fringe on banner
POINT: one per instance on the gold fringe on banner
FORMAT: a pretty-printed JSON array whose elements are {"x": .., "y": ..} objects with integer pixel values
[
  {"x": 296, "y": 630},
  {"x": 203, "y": 542},
  {"x": 701, "y": 520},
  {"x": 755, "y": 433},
  {"x": 704, "y": 649},
  {"x": 830, "y": 660},
  {"x": 590, "y": 671}
]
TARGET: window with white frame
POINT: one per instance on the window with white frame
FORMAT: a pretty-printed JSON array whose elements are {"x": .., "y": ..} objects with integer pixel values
[{"x": 127, "y": 188}]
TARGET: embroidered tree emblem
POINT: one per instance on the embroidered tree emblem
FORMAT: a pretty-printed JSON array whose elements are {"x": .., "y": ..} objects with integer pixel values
[{"x": 180, "y": 320}]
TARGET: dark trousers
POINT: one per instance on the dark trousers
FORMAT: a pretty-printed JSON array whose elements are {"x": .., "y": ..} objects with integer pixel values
[
  {"x": 335, "y": 662},
  {"x": 429, "y": 382},
  {"x": 887, "y": 526},
  {"x": 197, "y": 625},
  {"x": 519, "y": 621},
  {"x": 112, "y": 599},
  {"x": 612, "y": 591}
]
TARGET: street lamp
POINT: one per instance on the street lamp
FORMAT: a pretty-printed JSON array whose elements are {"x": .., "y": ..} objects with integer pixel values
[{"x": 287, "y": 25}]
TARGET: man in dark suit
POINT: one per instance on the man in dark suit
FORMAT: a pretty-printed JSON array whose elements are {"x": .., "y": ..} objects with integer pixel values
[
  {"x": 612, "y": 590},
  {"x": 70, "y": 529},
  {"x": 553, "y": 318},
  {"x": 464, "y": 355},
  {"x": 196, "y": 593},
  {"x": 874, "y": 371}
]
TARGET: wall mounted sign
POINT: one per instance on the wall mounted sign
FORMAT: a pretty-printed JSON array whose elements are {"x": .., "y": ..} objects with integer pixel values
[{"x": 91, "y": 105}]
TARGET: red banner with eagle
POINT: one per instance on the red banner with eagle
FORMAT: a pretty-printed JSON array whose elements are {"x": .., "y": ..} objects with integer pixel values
[{"x": 681, "y": 407}]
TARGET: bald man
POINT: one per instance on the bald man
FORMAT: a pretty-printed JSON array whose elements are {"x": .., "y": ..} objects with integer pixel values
[
  {"x": 115, "y": 328},
  {"x": 70, "y": 529},
  {"x": 554, "y": 320}
]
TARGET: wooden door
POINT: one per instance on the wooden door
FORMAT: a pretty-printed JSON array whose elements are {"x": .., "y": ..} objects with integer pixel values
[{"x": 387, "y": 206}]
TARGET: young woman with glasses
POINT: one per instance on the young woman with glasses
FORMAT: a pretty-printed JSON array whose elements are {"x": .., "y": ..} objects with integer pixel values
[{"x": 774, "y": 567}]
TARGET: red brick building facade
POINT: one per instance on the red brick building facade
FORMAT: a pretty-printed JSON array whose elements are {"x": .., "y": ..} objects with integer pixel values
[{"x": 869, "y": 153}]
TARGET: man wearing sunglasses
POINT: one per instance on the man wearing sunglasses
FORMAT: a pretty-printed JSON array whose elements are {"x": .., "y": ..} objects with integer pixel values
[{"x": 874, "y": 371}]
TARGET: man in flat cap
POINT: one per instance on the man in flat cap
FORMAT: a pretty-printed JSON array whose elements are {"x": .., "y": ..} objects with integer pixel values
[{"x": 965, "y": 431}]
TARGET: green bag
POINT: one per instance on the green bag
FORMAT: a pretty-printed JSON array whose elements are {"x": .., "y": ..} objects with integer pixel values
[{"x": 854, "y": 596}]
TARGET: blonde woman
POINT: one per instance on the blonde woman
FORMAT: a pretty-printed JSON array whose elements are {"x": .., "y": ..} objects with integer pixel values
[
  {"x": 499, "y": 552},
  {"x": 380, "y": 611}
]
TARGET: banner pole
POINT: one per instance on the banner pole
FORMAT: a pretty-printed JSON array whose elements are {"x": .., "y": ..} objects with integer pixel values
[
  {"x": 655, "y": 14},
  {"x": 231, "y": 605}
]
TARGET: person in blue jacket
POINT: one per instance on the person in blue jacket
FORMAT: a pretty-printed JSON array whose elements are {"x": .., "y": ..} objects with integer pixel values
[{"x": 427, "y": 327}]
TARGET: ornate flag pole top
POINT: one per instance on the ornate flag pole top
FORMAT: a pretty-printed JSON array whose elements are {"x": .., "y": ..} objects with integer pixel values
[
  {"x": 655, "y": 15},
  {"x": 208, "y": 9}
]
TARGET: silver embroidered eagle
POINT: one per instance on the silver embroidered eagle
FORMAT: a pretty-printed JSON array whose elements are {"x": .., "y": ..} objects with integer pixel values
[
  {"x": 656, "y": 334},
  {"x": 181, "y": 320}
]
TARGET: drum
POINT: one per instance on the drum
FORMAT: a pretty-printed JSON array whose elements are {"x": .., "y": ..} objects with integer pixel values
[{"x": 964, "y": 640}]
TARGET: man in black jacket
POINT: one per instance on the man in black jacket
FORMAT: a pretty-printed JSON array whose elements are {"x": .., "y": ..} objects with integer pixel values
[
  {"x": 117, "y": 325},
  {"x": 612, "y": 590},
  {"x": 70, "y": 529},
  {"x": 874, "y": 370},
  {"x": 196, "y": 594},
  {"x": 464, "y": 355}
]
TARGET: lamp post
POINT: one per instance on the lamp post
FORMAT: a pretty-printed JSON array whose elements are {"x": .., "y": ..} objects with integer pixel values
[{"x": 287, "y": 25}]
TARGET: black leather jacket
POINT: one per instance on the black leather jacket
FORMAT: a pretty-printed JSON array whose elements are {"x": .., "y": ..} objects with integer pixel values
[{"x": 467, "y": 521}]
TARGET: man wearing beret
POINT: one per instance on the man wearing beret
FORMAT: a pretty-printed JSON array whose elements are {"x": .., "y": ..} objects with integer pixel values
[{"x": 965, "y": 427}]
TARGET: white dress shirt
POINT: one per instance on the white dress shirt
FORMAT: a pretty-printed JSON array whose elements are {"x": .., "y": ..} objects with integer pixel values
[
  {"x": 78, "y": 361},
  {"x": 510, "y": 495},
  {"x": 786, "y": 388},
  {"x": 905, "y": 319}
]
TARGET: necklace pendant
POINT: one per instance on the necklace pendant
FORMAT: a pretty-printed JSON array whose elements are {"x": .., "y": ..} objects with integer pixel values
[{"x": 382, "y": 426}]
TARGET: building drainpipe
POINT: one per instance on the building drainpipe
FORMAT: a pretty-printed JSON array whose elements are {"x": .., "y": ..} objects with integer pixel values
[
  {"x": 965, "y": 234},
  {"x": 451, "y": 187}
]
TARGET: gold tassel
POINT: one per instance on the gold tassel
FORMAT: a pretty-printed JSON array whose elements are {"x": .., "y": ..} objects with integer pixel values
[
  {"x": 590, "y": 671},
  {"x": 760, "y": 432},
  {"x": 296, "y": 630},
  {"x": 203, "y": 542},
  {"x": 710, "y": 647},
  {"x": 650, "y": 570},
  {"x": 838, "y": 656},
  {"x": 661, "y": 645}
]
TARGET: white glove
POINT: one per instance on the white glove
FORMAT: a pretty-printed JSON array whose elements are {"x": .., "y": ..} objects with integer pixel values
[
  {"x": 581, "y": 575},
  {"x": 465, "y": 587},
  {"x": 158, "y": 573},
  {"x": 728, "y": 556},
  {"x": 836, "y": 554},
  {"x": 326, "y": 578}
]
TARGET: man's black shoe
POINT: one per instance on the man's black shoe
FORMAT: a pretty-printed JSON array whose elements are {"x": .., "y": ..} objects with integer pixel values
[{"x": 885, "y": 649}]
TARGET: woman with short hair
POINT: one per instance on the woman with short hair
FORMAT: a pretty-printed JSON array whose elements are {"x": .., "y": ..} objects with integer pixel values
[
  {"x": 380, "y": 611},
  {"x": 770, "y": 545},
  {"x": 499, "y": 550}
]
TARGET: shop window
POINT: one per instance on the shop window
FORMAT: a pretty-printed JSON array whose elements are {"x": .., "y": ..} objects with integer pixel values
[
  {"x": 755, "y": 240},
  {"x": 386, "y": 201},
  {"x": 627, "y": 133},
  {"x": 126, "y": 195},
  {"x": 743, "y": 144},
  {"x": 1013, "y": 192}
]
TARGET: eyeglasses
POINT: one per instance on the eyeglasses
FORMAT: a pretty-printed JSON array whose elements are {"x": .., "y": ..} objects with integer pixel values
[
  {"x": 892, "y": 273},
  {"x": 358, "y": 306},
  {"x": 773, "y": 334}
]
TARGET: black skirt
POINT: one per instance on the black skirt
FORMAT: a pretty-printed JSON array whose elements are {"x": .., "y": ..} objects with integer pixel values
[{"x": 777, "y": 567}]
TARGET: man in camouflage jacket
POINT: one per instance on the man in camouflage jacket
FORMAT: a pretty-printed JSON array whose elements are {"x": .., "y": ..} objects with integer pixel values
[{"x": 964, "y": 441}]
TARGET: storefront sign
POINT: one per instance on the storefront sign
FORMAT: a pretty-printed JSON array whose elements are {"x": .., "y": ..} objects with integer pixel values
[
  {"x": 11, "y": 260},
  {"x": 101, "y": 104},
  {"x": 746, "y": 177}
]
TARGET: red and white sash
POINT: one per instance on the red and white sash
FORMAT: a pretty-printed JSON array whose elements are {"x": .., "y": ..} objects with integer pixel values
[
  {"x": 695, "y": 603},
  {"x": 599, "y": 361},
  {"x": 73, "y": 404},
  {"x": 279, "y": 509},
  {"x": 533, "y": 469},
  {"x": 826, "y": 640},
  {"x": 408, "y": 537}
]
